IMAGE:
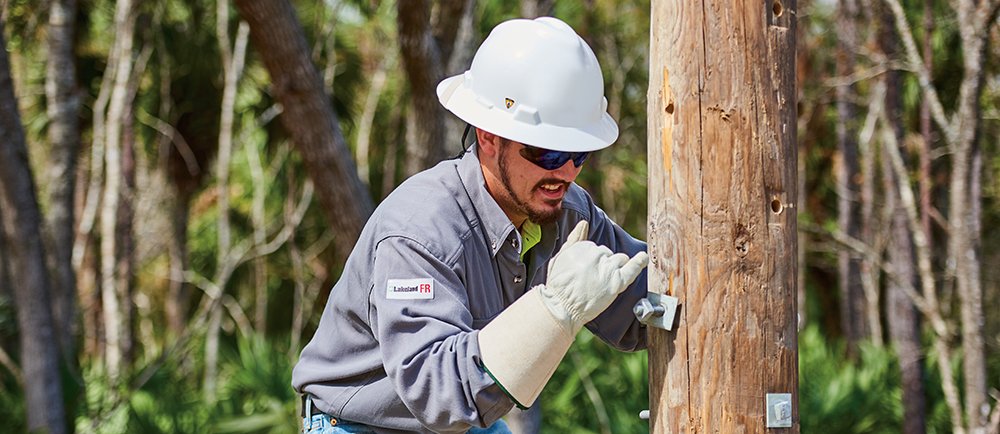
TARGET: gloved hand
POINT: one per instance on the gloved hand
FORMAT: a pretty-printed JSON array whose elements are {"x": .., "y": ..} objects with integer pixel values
[
  {"x": 585, "y": 278},
  {"x": 522, "y": 346}
]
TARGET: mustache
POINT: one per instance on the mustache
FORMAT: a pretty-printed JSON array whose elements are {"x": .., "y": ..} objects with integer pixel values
[{"x": 551, "y": 181}]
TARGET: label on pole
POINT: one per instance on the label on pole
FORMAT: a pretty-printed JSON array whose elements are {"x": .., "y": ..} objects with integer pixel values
[{"x": 779, "y": 410}]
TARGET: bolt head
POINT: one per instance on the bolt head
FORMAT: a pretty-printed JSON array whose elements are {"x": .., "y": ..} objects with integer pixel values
[{"x": 643, "y": 310}]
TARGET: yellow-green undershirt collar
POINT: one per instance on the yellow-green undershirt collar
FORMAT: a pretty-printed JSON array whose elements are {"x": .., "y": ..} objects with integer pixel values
[{"x": 531, "y": 234}]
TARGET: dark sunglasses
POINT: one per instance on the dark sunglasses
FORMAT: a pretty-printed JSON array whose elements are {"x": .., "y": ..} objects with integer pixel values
[{"x": 552, "y": 160}]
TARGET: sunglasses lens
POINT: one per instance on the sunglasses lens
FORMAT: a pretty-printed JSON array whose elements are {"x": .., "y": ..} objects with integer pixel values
[{"x": 552, "y": 160}]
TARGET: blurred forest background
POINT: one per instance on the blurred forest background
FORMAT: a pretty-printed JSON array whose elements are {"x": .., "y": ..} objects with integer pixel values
[{"x": 183, "y": 179}]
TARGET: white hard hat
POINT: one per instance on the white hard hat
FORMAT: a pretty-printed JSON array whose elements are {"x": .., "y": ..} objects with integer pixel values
[{"x": 535, "y": 82}]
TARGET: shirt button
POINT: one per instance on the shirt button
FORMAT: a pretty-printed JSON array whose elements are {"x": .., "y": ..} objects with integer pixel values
[
  {"x": 517, "y": 279},
  {"x": 513, "y": 243}
]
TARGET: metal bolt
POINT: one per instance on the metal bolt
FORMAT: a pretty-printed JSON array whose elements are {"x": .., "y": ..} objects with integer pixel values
[
  {"x": 645, "y": 311},
  {"x": 644, "y": 415}
]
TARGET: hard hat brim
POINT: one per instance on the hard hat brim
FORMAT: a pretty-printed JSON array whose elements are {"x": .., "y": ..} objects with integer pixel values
[{"x": 458, "y": 98}]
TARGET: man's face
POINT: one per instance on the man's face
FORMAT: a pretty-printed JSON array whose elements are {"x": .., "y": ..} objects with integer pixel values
[{"x": 531, "y": 191}]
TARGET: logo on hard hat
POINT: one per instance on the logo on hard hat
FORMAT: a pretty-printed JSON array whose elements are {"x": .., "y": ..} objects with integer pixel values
[{"x": 508, "y": 102}]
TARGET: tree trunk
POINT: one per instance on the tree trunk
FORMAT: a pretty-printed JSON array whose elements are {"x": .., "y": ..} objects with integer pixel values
[
  {"x": 925, "y": 130},
  {"x": 536, "y": 8},
  {"x": 125, "y": 228},
  {"x": 84, "y": 258},
  {"x": 852, "y": 295},
  {"x": 232, "y": 59},
  {"x": 90, "y": 306},
  {"x": 5, "y": 289},
  {"x": 63, "y": 108},
  {"x": 902, "y": 318},
  {"x": 179, "y": 292},
  {"x": 870, "y": 265},
  {"x": 21, "y": 217},
  {"x": 903, "y": 322},
  {"x": 464, "y": 48},
  {"x": 309, "y": 117},
  {"x": 259, "y": 221},
  {"x": 363, "y": 143},
  {"x": 964, "y": 214},
  {"x": 114, "y": 317},
  {"x": 722, "y": 224},
  {"x": 962, "y": 135},
  {"x": 426, "y": 39}
]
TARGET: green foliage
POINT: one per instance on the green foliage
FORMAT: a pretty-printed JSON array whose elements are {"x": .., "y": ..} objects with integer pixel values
[
  {"x": 257, "y": 393},
  {"x": 102, "y": 410},
  {"x": 12, "y": 410},
  {"x": 596, "y": 386},
  {"x": 255, "y": 396},
  {"x": 838, "y": 396}
]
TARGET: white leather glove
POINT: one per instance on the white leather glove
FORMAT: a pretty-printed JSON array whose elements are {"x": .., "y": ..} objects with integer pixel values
[
  {"x": 522, "y": 346},
  {"x": 585, "y": 278}
]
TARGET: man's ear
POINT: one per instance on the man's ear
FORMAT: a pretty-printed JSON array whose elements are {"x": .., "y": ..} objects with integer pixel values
[{"x": 488, "y": 142}]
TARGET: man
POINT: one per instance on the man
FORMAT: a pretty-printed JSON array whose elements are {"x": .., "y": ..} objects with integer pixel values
[{"x": 470, "y": 281}]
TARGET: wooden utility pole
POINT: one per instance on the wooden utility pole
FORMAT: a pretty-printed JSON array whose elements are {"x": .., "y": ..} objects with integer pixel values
[{"x": 722, "y": 232}]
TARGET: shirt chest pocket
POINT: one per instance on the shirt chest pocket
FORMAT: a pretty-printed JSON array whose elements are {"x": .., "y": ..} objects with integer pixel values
[{"x": 485, "y": 301}]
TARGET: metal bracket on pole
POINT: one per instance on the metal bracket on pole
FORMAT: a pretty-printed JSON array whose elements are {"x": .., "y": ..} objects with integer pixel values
[
  {"x": 656, "y": 310},
  {"x": 779, "y": 410}
]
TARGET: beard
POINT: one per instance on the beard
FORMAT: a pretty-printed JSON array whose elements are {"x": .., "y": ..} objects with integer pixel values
[{"x": 538, "y": 216}]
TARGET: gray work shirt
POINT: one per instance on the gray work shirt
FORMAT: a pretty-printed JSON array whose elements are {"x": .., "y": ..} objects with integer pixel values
[{"x": 397, "y": 346}]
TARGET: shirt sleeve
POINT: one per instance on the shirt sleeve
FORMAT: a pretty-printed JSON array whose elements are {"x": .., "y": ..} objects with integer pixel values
[
  {"x": 429, "y": 347},
  {"x": 617, "y": 325}
]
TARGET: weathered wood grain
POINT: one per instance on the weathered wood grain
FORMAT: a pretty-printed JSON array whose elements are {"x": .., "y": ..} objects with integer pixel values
[{"x": 722, "y": 165}]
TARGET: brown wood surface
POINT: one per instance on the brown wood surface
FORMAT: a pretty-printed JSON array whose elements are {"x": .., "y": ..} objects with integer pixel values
[{"x": 722, "y": 195}]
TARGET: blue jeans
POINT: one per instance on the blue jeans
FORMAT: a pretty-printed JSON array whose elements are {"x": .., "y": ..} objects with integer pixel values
[{"x": 324, "y": 424}]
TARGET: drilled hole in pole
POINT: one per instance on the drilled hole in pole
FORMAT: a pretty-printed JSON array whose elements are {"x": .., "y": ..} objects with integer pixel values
[
  {"x": 776, "y": 206},
  {"x": 777, "y": 8},
  {"x": 670, "y": 109}
]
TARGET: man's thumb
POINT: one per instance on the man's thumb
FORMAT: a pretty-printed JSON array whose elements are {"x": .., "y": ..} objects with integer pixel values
[{"x": 579, "y": 233}]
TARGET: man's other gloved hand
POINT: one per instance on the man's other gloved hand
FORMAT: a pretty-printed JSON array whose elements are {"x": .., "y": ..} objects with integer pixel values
[{"x": 585, "y": 278}]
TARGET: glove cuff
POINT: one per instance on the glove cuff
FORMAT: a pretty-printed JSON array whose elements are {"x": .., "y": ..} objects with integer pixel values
[{"x": 522, "y": 347}]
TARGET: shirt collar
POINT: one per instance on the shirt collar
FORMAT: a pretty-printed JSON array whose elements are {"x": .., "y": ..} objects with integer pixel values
[{"x": 494, "y": 221}]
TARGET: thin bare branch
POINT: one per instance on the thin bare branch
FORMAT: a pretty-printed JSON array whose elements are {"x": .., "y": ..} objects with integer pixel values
[
  {"x": 8, "y": 363},
  {"x": 292, "y": 221},
  {"x": 871, "y": 254},
  {"x": 222, "y": 33},
  {"x": 319, "y": 245},
  {"x": 923, "y": 75},
  {"x": 88, "y": 216},
  {"x": 202, "y": 283},
  {"x": 378, "y": 82},
  {"x": 919, "y": 239},
  {"x": 994, "y": 425},
  {"x": 238, "y": 315},
  {"x": 175, "y": 137},
  {"x": 859, "y": 76}
]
